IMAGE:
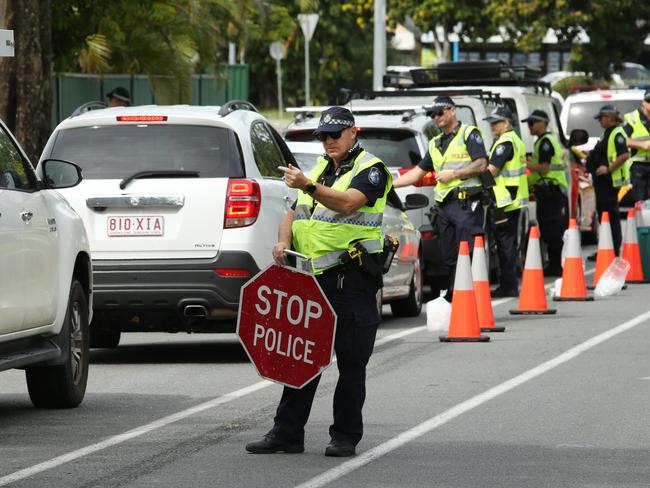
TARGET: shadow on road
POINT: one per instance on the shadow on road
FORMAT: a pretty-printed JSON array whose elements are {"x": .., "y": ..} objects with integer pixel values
[{"x": 213, "y": 352}]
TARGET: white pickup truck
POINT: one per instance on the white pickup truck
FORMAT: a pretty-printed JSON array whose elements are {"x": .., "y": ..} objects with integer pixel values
[{"x": 45, "y": 278}]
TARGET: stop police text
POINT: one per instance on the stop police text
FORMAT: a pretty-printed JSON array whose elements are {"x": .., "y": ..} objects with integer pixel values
[{"x": 292, "y": 308}]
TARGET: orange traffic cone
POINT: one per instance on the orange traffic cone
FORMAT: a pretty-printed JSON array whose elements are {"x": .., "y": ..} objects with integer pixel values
[
  {"x": 463, "y": 324},
  {"x": 605, "y": 254},
  {"x": 574, "y": 287},
  {"x": 482, "y": 288},
  {"x": 632, "y": 252},
  {"x": 532, "y": 299}
]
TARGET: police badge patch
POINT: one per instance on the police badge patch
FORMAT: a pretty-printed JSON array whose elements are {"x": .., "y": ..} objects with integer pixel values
[
  {"x": 373, "y": 176},
  {"x": 499, "y": 150}
]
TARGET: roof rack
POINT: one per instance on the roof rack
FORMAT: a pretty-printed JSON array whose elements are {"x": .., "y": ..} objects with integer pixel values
[
  {"x": 349, "y": 95},
  {"x": 491, "y": 73},
  {"x": 233, "y": 105},
  {"x": 87, "y": 107}
]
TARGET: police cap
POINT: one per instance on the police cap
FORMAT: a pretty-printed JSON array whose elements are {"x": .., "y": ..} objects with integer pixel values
[{"x": 335, "y": 119}]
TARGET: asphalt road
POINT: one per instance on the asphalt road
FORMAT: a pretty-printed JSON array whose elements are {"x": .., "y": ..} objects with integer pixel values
[{"x": 555, "y": 401}]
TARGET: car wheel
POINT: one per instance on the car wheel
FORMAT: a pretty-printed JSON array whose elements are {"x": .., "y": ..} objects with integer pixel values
[
  {"x": 411, "y": 306},
  {"x": 64, "y": 385},
  {"x": 100, "y": 334}
]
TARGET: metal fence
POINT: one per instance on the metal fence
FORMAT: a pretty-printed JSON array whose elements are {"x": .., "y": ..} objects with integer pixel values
[{"x": 71, "y": 90}]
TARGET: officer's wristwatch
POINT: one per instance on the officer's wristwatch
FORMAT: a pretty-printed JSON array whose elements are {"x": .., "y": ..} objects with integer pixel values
[{"x": 310, "y": 188}]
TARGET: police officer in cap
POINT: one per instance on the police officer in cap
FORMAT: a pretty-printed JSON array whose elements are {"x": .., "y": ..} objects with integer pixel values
[
  {"x": 336, "y": 221},
  {"x": 637, "y": 128},
  {"x": 508, "y": 166},
  {"x": 118, "y": 97},
  {"x": 607, "y": 162},
  {"x": 458, "y": 157},
  {"x": 548, "y": 181}
]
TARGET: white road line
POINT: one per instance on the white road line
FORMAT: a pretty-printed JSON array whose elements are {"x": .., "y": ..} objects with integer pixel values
[
  {"x": 435, "y": 422},
  {"x": 160, "y": 423}
]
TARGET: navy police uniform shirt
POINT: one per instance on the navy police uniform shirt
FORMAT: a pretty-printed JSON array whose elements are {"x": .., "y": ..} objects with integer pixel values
[
  {"x": 628, "y": 128},
  {"x": 475, "y": 147},
  {"x": 546, "y": 150},
  {"x": 502, "y": 154}
]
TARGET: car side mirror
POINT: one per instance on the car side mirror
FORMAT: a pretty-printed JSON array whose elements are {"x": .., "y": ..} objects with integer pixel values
[
  {"x": 60, "y": 174},
  {"x": 416, "y": 200},
  {"x": 578, "y": 137}
]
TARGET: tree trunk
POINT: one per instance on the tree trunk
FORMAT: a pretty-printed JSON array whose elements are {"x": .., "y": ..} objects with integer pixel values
[{"x": 26, "y": 104}]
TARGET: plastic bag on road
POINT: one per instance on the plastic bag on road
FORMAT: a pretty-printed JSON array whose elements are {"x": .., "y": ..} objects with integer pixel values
[
  {"x": 438, "y": 314},
  {"x": 556, "y": 289},
  {"x": 613, "y": 279},
  {"x": 565, "y": 244}
]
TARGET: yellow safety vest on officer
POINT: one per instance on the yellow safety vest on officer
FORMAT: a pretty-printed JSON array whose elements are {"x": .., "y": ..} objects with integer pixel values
[
  {"x": 457, "y": 157},
  {"x": 556, "y": 174},
  {"x": 621, "y": 175},
  {"x": 513, "y": 173},
  {"x": 639, "y": 131},
  {"x": 325, "y": 235}
]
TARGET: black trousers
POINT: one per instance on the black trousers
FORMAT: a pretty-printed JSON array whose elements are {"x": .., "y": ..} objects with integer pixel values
[
  {"x": 506, "y": 239},
  {"x": 640, "y": 179},
  {"x": 457, "y": 221},
  {"x": 356, "y": 327},
  {"x": 552, "y": 221},
  {"x": 611, "y": 206}
]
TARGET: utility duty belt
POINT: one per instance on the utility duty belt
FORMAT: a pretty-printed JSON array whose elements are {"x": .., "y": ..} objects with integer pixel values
[
  {"x": 464, "y": 193},
  {"x": 547, "y": 188},
  {"x": 375, "y": 264}
]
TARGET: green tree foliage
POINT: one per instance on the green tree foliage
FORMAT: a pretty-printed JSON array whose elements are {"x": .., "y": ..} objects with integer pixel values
[
  {"x": 463, "y": 17},
  {"x": 616, "y": 29}
]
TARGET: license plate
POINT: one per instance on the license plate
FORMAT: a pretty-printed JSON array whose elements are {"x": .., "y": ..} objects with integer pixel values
[{"x": 141, "y": 225}]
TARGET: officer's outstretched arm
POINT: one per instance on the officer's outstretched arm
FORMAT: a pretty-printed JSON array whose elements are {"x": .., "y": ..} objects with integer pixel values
[
  {"x": 343, "y": 202},
  {"x": 410, "y": 177}
]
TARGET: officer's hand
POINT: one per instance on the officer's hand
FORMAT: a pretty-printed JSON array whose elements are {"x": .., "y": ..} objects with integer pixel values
[
  {"x": 278, "y": 253},
  {"x": 294, "y": 178},
  {"x": 602, "y": 170},
  {"x": 445, "y": 176}
]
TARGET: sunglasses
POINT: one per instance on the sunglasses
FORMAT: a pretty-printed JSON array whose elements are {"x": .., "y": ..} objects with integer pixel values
[
  {"x": 322, "y": 137},
  {"x": 439, "y": 112}
]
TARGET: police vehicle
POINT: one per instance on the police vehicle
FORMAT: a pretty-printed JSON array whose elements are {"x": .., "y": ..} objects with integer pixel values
[
  {"x": 182, "y": 205},
  {"x": 45, "y": 278}
]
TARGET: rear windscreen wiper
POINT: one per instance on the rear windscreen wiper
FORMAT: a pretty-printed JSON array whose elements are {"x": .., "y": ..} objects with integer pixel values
[{"x": 169, "y": 173}]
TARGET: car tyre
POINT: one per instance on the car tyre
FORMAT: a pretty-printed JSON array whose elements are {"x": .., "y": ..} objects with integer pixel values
[
  {"x": 411, "y": 306},
  {"x": 64, "y": 385}
]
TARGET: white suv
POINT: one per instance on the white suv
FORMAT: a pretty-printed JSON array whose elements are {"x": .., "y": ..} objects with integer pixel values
[
  {"x": 45, "y": 278},
  {"x": 182, "y": 206}
]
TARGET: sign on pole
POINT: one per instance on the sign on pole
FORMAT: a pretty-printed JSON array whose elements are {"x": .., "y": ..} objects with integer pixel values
[
  {"x": 308, "y": 25},
  {"x": 286, "y": 325},
  {"x": 6, "y": 43},
  {"x": 278, "y": 52}
]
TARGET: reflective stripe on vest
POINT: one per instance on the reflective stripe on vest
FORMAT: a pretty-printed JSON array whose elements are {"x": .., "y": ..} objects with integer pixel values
[
  {"x": 514, "y": 171},
  {"x": 639, "y": 130},
  {"x": 456, "y": 157},
  {"x": 556, "y": 172},
  {"x": 621, "y": 176},
  {"x": 324, "y": 234}
]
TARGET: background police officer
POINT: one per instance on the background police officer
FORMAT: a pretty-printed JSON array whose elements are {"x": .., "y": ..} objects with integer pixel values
[
  {"x": 118, "y": 97},
  {"x": 458, "y": 157},
  {"x": 548, "y": 181},
  {"x": 341, "y": 206},
  {"x": 637, "y": 128},
  {"x": 607, "y": 164},
  {"x": 508, "y": 165}
]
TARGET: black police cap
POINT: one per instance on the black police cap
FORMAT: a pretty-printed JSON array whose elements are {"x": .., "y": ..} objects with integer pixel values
[{"x": 335, "y": 119}]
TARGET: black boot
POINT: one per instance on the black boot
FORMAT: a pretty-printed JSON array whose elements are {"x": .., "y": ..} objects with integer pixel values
[{"x": 270, "y": 444}]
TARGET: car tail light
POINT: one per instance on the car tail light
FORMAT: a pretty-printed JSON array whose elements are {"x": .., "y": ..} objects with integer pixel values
[
  {"x": 232, "y": 272},
  {"x": 141, "y": 118},
  {"x": 242, "y": 203},
  {"x": 429, "y": 178}
]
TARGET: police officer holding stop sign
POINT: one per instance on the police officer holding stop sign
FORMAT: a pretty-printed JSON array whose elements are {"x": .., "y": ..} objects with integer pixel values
[
  {"x": 336, "y": 222},
  {"x": 458, "y": 157}
]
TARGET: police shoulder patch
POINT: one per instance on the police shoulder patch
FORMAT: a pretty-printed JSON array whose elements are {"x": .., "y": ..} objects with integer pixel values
[
  {"x": 477, "y": 137},
  {"x": 500, "y": 150},
  {"x": 373, "y": 176},
  {"x": 620, "y": 139}
]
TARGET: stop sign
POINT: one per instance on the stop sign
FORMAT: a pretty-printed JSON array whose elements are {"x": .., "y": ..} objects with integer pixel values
[{"x": 286, "y": 325}]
